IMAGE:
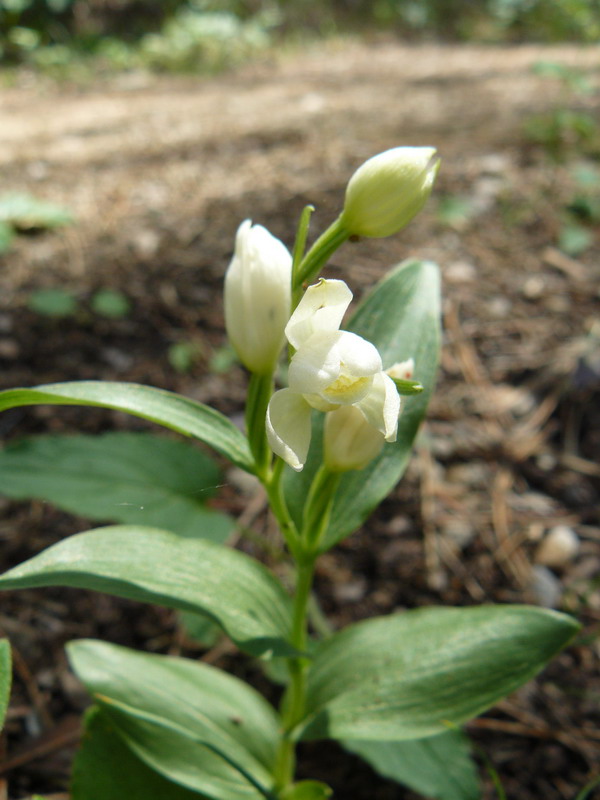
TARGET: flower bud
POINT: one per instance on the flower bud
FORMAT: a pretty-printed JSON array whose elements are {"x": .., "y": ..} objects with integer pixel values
[
  {"x": 388, "y": 190},
  {"x": 350, "y": 442},
  {"x": 258, "y": 297}
]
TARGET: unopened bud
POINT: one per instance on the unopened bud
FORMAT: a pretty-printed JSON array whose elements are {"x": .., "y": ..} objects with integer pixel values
[
  {"x": 350, "y": 442},
  {"x": 388, "y": 190},
  {"x": 258, "y": 297}
]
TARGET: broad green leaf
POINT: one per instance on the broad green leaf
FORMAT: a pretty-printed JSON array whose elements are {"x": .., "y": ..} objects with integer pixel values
[
  {"x": 106, "y": 769},
  {"x": 401, "y": 317},
  {"x": 195, "y": 724},
  {"x": 160, "y": 567},
  {"x": 23, "y": 211},
  {"x": 439, "y": 767},
  {"x": 409, "y": 676},
  {"x": 135, "y": 478},
  {"x": 307, "y": 790},
  {"x": 157, "y": 405},
  {"x": 201, "y": 629},
  {"x": 5, "y": 678}
]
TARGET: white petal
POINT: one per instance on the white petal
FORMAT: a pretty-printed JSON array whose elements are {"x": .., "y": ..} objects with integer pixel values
[
  {"x": 288, "y": 427},
  {"x": 316, "y": 364},
  {"x": 322, "y": 308},
  {"x": 349, "y": 441},
  {"x": 358, "y": 357},
  {"x": 381, "y": 406},
  {"x": 402, "y": 370}
]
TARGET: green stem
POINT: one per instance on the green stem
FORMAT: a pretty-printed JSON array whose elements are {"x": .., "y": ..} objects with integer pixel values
[
  {"x": 318, "y": 508},
  {"x": 294, "y": 699},
  {"x": 274, "y": 488},
  {"x": 327, "y": 243},
  {"x": 300, "y": 243},
  {"x": 259, "y": 394}
]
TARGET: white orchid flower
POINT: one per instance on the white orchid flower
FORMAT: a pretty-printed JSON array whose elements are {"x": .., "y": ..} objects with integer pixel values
[
  {"x": 330, "y": 369},
  {"x": 258, "y": 297}
]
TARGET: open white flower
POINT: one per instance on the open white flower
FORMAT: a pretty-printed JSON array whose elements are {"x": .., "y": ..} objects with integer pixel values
[{"x": 330, "y": 369}]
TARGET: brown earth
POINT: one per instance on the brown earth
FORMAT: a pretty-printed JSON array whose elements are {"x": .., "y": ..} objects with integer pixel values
[{"x": 159, "y": 172}]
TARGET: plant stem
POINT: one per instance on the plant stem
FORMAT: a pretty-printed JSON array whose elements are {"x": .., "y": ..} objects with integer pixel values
[
  {"x": 294, "y": 699},
  {"x": 318, "y": 508},
  {"x": 259, "y": 394},
  {"x": 327, "y": 243},
  {"x": 280, "y": 510}
]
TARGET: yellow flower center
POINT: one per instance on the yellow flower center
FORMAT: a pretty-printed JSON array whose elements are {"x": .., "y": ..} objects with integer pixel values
[{"x": 347, "y": 389}]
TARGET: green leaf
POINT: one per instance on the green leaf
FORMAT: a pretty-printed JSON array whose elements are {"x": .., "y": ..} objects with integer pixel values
[
  {"x": 307, "y": 790},
  {"x": 110, "y": 303},
  {"x": 135, "y": 478},
  {"x": 202, "y": 630},
  {"x": 157, "y": 405},
  {"x": 575, "y": 239},
  {"x": 409, "y": 676},
  {"x": 154, "y": 566},
  {"x": 439, "y": 767},
  {"x": 5, "y": 678},
  {"x": 402, "y": 318},
  {"x": 195, "y": 724},
  {"x": 23, "y": 211},
  {"x": 106, "y": 769},
  {"x": 7, "y": 234},
  {"x": 57, "y": 303}
]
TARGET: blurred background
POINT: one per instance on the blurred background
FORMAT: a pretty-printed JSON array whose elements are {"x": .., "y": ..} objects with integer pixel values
[
  {"x": 136, "y": 136},
  {"x": 205, "y": 35}
]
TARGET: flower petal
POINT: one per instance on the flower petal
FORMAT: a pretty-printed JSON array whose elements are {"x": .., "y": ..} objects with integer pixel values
[
  {"x": 358, "y": 356},
  {"x": 349, "y": 441},
  {"x": 322, "y": 308},
  {"x": 402, "y": 370},
  {"x": 316, "y": 364},
  {"x": 381, "y": 406},
  {"x": 288, "y": 427}
]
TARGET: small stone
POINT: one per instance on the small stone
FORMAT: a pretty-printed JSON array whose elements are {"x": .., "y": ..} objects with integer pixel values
[
  {"x": 545, "y": 587},
  {"x": 533, "y": 287},
  {"x": 460, "y": 532},
  {"x": 9, "y": 349},
  {"x": 558, "y": 548},
  {"x": 350, "y": 591},
  {"x": 244, "y": 482},
  {"x": 460, "y": 272}
]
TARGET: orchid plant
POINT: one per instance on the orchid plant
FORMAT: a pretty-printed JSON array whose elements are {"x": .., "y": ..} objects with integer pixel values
[{"x": 327, "y": 448}]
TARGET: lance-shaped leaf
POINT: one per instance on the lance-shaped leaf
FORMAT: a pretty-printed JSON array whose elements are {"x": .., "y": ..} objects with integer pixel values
[
  {"x": 401, "y": 317},
  {"x": 439, "y": 767},
  {"x": 157, "y": 405},
  {"x": 195, "y": 724},
  {"x": 155, "y": 566},
  {"x": 408, "y": 676},
  {"x": 134, "y": 478},
  {"x": 105, "y": 768},
  {"x": 5, "y": 678}
]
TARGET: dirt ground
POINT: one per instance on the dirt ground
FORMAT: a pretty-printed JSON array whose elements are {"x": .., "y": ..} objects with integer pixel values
[{"x": 159, "y": 172}]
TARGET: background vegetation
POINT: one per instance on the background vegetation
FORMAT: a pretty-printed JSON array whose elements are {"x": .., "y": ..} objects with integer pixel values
[{"x": 179, "y": 35}]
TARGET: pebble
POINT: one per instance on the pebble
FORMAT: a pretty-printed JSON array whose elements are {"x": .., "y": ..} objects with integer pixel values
[
  {"x": 545, "y": 587},
  {"x": 558, "y": 547},
  {"x": 244, "y": 482},
  {"x": 351, "y": 591}
]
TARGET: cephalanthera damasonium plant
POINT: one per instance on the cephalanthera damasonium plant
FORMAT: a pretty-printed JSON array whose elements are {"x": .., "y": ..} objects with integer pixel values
[{"x": 327, "y": 447}]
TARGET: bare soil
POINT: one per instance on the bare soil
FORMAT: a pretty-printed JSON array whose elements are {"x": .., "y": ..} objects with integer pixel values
[{"x": 159, "y": 172}]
